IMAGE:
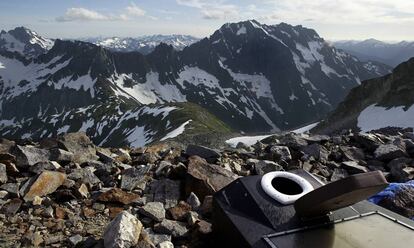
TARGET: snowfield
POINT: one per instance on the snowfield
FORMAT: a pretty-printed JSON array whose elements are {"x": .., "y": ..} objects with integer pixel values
[
  {"x": 375, "y": 117},
  {"x": 251, "y": 140}
]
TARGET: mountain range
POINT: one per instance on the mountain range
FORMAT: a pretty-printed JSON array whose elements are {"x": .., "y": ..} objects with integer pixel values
[
  {"x": 391, "y": 54},
  {"x": 246, "y": 76},
  {"x": 377, "y": 103},
  {"x": 144, "y": 44}
]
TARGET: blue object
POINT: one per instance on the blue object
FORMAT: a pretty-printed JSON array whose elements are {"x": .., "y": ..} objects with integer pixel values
[{"x": 390, "y": 191}]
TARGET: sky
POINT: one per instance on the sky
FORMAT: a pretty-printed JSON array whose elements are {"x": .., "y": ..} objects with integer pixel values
[{"x": 388, "y": 20}]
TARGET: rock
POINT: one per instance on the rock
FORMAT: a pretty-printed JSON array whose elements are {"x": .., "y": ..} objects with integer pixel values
[
  {"x": 118, "y": 196},
  {"x": 153, "y": 210},
  {"x": 156, "y": 238},
  {"x": 193, "y": 201},
  {"x": 166, "y": 191},
  {"x": 60, "y": 155},
  {"x": 6, "y": 145},
  {"x": 83, "y": 191},
  {"x": 42, "y": 166},
  {"x": 316, "y": 138},
  {"x": 80, "y": 145},
  {"x": 367, "y": 140},
  {"x": 165, "y": 244},
  {"x": 28, "y": 156},
  {"x": 401, "y": 172},
  {"x": 145, "y": 241},
  {"x": 280, "y": 153},
  {"x": 3, "y": 194},
  {"x": 203, "y": 152},
  {"x": 338, "y": 174},
  {"x": 264, "y": 166},
  {"x": 180, "y": 211},
  {"x": 85, "y": 175},
  {"x": 352, "y": 153},
  {"x": 11, "y": 207},
  {"x": 135, "y": 177},
  {"x": 402, "y": 202},
  {"x": 204, "y": 178},
  {"x": 389, "y": 152},
  {"x": 353, "y": 167},
  {"x": 204, "y": 227},
  {"x": 207, "y": 206},
  {"x": 12, "y": 188},
  {"x": 294, "y": 141},
  {"x": 175, "y": 228},
  {"x": 37, "y": 201},
  {"x": 3, "y": 173},
  {"x": 45, "y": 184},
  {"x": 163, "y": 168},
  {"x": 122, "y": 155},
  {"x": 76, "y": 239},
  {"x": 123, "y": 231},
  {"x": 316, "y": 151},
  {"x": 146, "y": 158},
  {"x": 192, "y": 218}
]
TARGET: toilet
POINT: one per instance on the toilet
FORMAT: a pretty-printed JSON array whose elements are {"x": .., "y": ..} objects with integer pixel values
[{"x": 285, "y": 187}]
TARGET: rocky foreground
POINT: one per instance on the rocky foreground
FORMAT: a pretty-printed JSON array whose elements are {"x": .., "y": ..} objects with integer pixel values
[{"x": 66, "y": 192}]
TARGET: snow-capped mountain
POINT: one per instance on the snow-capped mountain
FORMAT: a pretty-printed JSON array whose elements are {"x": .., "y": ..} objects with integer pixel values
[
  {"x": 377, "y": 103},
  {"x": 388, "y": 53},
  {"x": 144, "y": 44},
  {"x": 251, "y": 77},
  {"x": 24, "y": 42}
]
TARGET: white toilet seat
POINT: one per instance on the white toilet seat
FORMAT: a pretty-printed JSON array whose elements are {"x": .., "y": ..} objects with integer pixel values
[{"x": 284, "y": 199}]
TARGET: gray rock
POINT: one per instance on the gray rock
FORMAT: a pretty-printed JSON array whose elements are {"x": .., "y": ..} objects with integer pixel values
[
  {"x": 202, "y": 151},
  {"x": 12, "y": 188},
  {"x": 367, "y": 140},
  {"x": 123, "y": 231},
  {"x": 193, "y": 201},
  {"x": 3, "y": 173},
  {"x": 353, "y": 167},
  {"x": 165, "y": 244},
  {"x": 153, "y": 210},
  {"x": 28, "y": 156},
  {"x": 316, "y": 151},
  {"x": 157, "y": 238},
  {"x": 204, "y": 178},
  {"x": 352, "y": 153},
  {"x": 338, "y": 174},
  {"x": 401, "y": 172},
  {"x": 163, "y": 168},
  {"x": 74, "y": 240},
  {"x": 389, "y": 152},
  {"x": 265, "y": 166},
  {"x": 175, "y": 228},
  {"x": 60, "y": 155},
  {"x": 166, "y": 191},
  {"x": 135, "y": 177},
  {"x": 280, "y": 153},
  {"x": 11, "y": 207},
  {"x": 80, "y": 145},
  {"x": 42, "y": 166},
  {"x": 292, "y": 140},
  {"x": 85, "y": 175}
]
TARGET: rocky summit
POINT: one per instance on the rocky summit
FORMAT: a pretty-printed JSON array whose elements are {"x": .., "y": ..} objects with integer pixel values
[{"x": 67, "y": 192}]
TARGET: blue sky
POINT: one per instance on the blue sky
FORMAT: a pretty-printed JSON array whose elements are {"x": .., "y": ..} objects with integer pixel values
[{"x": 332, "y": 19}]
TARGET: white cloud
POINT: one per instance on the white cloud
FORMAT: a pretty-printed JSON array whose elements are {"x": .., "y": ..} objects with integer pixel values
[
  {"x": 338, "y": 12},
  {"x": 81, "y": 14},
  {"x": 213, "y": 9},
  {"x": 134, "y": 10}
]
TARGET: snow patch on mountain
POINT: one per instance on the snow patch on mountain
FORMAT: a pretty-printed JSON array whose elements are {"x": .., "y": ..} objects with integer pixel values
[
  {"x": 174, "y": 133},
  {"x": 376, "y": 117}
]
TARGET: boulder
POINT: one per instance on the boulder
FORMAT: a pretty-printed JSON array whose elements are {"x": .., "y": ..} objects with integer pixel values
[
  {"x": 352, "y": 153},
  {"x": 369, "y": 141},
  {"x": 117, "y": 195},
  {"x": 338, "y": 174},
  {"x": 80, "y": 145},
  {"x": 317, "y": 151},
  {"x": 294, "y": 141},
  {"x": 46, "y": 183},
  {"x": 85, "y": 175},
  {"x": 135, "y": 177},
  {"x": 28, "y": 155},
  {"x": 3, "y": 173},
  {"x": 153, "y": 210},
  {"x": 203, "y": 152},
  {"x": 11, "y": 207},
  {"x": 265, "y": 166},
  {"x": 204, "y": 178},
  {"x": 156, "y": 238},
  {"x": 193, "y": 201},
  {"x": 402, "y": 201},
  {"x": 180, "y": 211},
  {"x": 123, "y": 231},
  {"x": 175, "y": 228},
  {"x": 166, "y": 191},
  {"x": 60, "y": 155},
  {"x": 353, "y": 167},
  {"x": 389, "y": 152},
  {"x": 42, "y": 166},
  {"x": 280, "y": 153}
]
